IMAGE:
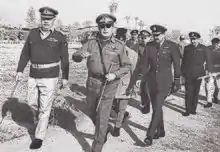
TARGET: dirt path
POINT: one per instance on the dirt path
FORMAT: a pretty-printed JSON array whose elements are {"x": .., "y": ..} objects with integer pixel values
[
  {"x": 199, "y": 133},
  {"x": 73, "y": 131}
]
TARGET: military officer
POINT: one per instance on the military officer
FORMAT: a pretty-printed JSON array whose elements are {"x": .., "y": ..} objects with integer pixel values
[
  {"x": 159, "y": 55},
  {"x": 215, "y": 55},
  {"x": 45, "y": 48},
  {"x": 194, "y": 57},
  {"x": 133, "y": 42},
  {"x": 121, "y": 98},
  {"x": 107, "y": 62},
  {"x": 144, "y": 92}
]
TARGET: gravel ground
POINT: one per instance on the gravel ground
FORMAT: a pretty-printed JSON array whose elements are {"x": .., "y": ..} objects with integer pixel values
[{"x": 71, "y": 130}]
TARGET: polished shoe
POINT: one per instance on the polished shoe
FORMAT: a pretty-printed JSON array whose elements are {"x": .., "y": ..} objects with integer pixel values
[
  {"x": 185, "y": 114},
  {"x": 148, "y": 141},
  {"x": 116, "y": 132},
  {"x": 36, "y": 144},
  {"x": 159, "y": 134},
  {"x": 126, "y": 116},
  {"x": 208, "y": 105},
  {"x": 145, "y": 109}
]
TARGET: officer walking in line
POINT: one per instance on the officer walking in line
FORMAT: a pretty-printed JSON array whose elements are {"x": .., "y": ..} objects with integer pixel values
[
  {"x": 144, "y": 92},
  {"x": 121, "y": 99},
  {"x": 194, "y": 57},
  {"x": 215, "y": 55},
  {"x": 159, "y": 55},
  {"x": 107, "y": 61},
  {"x": 45, "y": 48},
  {"x": 133, "y": 43}
]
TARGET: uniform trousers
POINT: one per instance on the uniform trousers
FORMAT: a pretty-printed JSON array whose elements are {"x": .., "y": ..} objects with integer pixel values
[
  {"x": 157, "y": 123},
  {"x": 192, "y": 86},
  {"x": 40, "y": 99},
  {"x": 101, "y": 116}
]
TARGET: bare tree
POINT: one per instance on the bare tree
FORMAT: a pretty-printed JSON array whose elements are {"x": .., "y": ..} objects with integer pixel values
[
  {"x": 31, "y": 18},
  {"x": 141, "y": 24},
  {"x": 113, "y": 7},
  {"x": 136, "y": 21},
  {"x": 127, "y": 18}
]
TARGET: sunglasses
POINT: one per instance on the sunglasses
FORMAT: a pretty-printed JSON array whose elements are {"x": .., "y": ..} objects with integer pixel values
[{"x": 108, "y": 25}]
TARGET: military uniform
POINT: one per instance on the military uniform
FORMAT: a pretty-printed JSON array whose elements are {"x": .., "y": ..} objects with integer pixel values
[
  {"x": 192, "y": 68},
  {"x": 45, "y": 54},
  {"x": 103, "y": 54},
  {"x": 159, "y": 78},
  {"x": 133, "y": 44}
]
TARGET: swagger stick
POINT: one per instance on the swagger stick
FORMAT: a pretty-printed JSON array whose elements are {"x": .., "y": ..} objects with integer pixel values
[{"x": 103, "y": 88}]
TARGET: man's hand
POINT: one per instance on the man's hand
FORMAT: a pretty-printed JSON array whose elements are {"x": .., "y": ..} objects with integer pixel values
[
  {"x": 64, "y": 83},
  {"x": 110, "y": 76},
  {"x": 138, "y": 83},
  {"x": 85, "y": 55},
  {"x": 18, "y": 76}
]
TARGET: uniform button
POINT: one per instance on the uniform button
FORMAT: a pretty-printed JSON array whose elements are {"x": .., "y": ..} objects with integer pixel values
[{"x": 157, "y": 71}]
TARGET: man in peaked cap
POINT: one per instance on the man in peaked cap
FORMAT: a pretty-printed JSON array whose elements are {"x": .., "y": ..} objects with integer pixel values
[
  {"x": 144, "y": 93},
  {"x": 107, "y": 62},
  {"x": 159, "y": 55},
  {"x": 194, "y": 57},
  {"x": 47, "y": 50},
  {"x": 212, "y": 88},
  {"x": 133, "y": 42}
]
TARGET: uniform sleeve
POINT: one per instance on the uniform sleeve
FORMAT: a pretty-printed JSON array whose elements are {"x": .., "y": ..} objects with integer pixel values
[
  {"x": 208, "y": 59},
  {"x": 184, "y": 61},
  {"x": 176, "y": 62},
  {"x": 25, "y": 56},
  {"x": 64, "y": 59},
  {"x": 125, "y": 64},
  {"x": 140, "y": 69},
  {"x": 77, "y": 56}
]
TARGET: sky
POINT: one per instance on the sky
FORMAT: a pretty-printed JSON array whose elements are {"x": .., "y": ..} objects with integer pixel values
[{"x": 186, "y": 15}]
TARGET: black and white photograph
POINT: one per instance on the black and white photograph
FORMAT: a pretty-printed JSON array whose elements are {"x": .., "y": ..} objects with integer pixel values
[{"x": 109, "y": 76}]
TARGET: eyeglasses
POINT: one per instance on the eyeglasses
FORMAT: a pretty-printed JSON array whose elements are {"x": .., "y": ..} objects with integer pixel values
[{"x": 108, "y": 25}]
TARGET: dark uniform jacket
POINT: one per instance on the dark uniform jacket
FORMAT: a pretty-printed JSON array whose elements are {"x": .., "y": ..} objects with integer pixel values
[
  {"x": 194, "y": 59},
  {"x": 49, "y": 50},
  {"x": 133, "y": 45},
  {"x": 160, "y": 59},
  {"x": 114, "y": 52},
  {"x": 215, "y": 55}
]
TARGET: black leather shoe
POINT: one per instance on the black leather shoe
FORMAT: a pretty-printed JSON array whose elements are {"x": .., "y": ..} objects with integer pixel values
[
  {"x": 185, "y": 114},
  {"x": 126, "y": 116},
  {"x": 159, "y": 134},
  {"x": 208, "y": 105},
  {"x": 145, "y": 109},
  {"x": 116, "y": 132},
  {"x": 148, "y": 141},
  {"x": 36, "y": 144}
]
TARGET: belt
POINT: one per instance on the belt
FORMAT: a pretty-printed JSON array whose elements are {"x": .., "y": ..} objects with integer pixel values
[
  {"x": 98, "y": 76},
  {"x": 45, "y": 66},
  {"x": 216, "y": 66}
]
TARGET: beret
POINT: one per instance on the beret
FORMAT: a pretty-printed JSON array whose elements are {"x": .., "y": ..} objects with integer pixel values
[
  {"x": 102, "y": 18},
  {"x": 194, "y": 35},
  {"x": 158, "y": 29},
  {"x": 145, "y": 32}
]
